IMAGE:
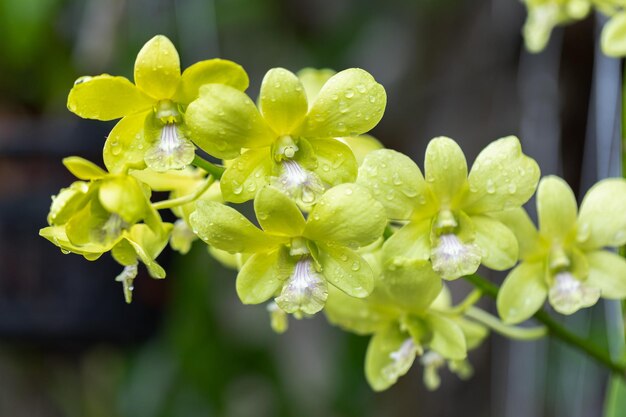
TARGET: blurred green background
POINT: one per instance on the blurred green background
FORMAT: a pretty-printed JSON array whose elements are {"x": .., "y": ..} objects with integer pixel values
[{"x": 69, "y": 346}]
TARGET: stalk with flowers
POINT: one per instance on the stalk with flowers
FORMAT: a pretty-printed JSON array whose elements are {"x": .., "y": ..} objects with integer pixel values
[{"x": 343, "y": 226}]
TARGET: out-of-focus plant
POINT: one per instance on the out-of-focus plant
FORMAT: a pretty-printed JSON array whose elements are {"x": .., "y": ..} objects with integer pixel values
[
  {"x": 545, "y": 15},
  {"x": 346, "y": 227}
]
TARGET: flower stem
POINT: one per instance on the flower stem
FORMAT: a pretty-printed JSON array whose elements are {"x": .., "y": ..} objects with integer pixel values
[
  {"x": 557, "y": 330},
  {"x": 512, "y": 332},
  {"x": 215, "y": 171}
]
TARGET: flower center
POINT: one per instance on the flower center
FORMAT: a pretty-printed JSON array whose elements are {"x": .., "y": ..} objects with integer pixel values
[
  {"x": 300, "y": 184},
  {"x": 452, "y": 258},
  {"x": 568, "y": 294},
  {"x": 402, "y": 359},
  {"x": 305, "y": 291},
  {"x": 112, "y": 228},
  {"x": 171, "y": 151}
]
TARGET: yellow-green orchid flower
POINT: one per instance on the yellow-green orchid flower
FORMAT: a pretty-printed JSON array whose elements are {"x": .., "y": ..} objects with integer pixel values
[
  {"x": 613, "y": 40},
  {"x": 446, "y": 213},
  {"x": 409, "y": 315},
  {"x": 288, "y": 141},
  {"x": 102, "y": 215},
  {"x": 152, "y": 130},
  {"x": 294, "y": 259},
  {"x": 564, "y": 260},
  {"x": 544, "y": 15}
]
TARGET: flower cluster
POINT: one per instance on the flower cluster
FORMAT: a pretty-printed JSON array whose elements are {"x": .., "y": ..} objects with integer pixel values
[
  {"x": 343, "y": 225},
  {"x": 545, "y": 15}
]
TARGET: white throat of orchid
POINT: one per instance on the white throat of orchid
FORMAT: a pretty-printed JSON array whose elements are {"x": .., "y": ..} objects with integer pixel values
[
  {"x": 401, "y": 360},
  {"x": 172, "y": 150},
  {"x": 112, "y": 228},
  {"x": 452, "y": 258},
  {"x": 305, "y": 291},
  {"x": 301, "y": 184},
  {"x": 568, "y": 294}
]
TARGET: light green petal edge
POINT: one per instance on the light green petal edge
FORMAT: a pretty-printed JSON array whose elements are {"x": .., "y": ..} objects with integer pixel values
[
  {"x": 227, "y": 229},
  {"x": 502, "y": 177},
  {"x": 126, "y": 145},
  {"x": 282, "y": 100},
  {"x": 523, "y": 293},
  {"x": 445, "y": 171},
  {"x": 83, "y": 169},
  {"x": 348, "y": 215},
  {"x": 613, "y": 40},
  {"x": 447, "y": 337},
  {"x": 346, "y": 270},
  {"x": 223, "y": 120},
  {"x": 557, "y": 208},
  {"x": 105, "y": 97},
  {"x": 350, "y": 103},
  {"x": 210, "y": 71},
  {"x": 395, "y": 181},
  {"x": 261, "y": 277},
  {"x": 246, "y": 175},
  {"x": 356, "y": 315},
  {"x": 157, "y": 68},
  {"x": 602, "y": 218},
  {"x": 497, "y": 242},
  {"x": 277, "y": 213},
  {"x": 607, "y": 272},
  {"x": 378, "y": 357}
]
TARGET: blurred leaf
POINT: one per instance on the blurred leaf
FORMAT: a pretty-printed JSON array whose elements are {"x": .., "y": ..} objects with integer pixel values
[{"x": 615, "y": 402}]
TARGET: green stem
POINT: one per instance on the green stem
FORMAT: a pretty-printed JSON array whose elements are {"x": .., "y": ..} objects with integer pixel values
[
  {"x": 512, "y": 332},
  {"x": 557, "y": 330},
  {"x": 175, "y": 202},
  {"x": 214, "y": 170}
]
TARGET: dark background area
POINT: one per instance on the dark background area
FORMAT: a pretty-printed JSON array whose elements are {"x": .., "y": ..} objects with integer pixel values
[{"x": 70, "y": 346}]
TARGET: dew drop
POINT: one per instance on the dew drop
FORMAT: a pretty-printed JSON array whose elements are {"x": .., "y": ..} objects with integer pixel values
[
  {"x": 349, "y": 191},
  {"x": 356, "y": 266},
  {"x": 349, "y": 93},
  {"x": 361, "y": 88},
  {"x": 372, "y": 99},
  {"x": 491, "y": 187},
  {"x": 344, "y": 257},
  {"x": 512, "y": 188}
]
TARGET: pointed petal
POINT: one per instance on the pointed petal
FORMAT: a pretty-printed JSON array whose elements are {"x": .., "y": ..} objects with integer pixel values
[
  {"x": 335, "y": 161},
  {"x": 613, "y": 39},
  {"x": 350, "y": 103},
  {"x": 497, "y": 243},
  {"x": 448, "y": 339},
  {"x": 353, "y": 314},
  {"x": 394, "y": 180},
  {"x": 346, "y": 270},
  {"x": 557, "y": 208},
  {"x": 157, "y": 68},
  {"x": 607, "y": 272},
  {"x": 126, "y": 145},
  {"x": 277, "y": 213},
  {"x": 223, "y": 120},
  {"x": 282, "y": 100},
  {"x": 411, "y": 286},
  {"x": 148, "y": 246},
  {"x": 83, "y": 169},
  {"x": 602, "y": 218},
  {"x": 261, "y": 277},
  {"x": 211, "y": 71},
  {"x": 502, "y": 177},
  {"x": 246, "y": 175},
  {"x": 412, "y": 241},
  {"x": 346, "y": 214},
  {"x": 105, "y": 97},
  {"x": 446, "y": 171},
  {"x": 523, "y": 293},
  {"x": 385, "y": 360},
  {"x": 227, "y": 229}
]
